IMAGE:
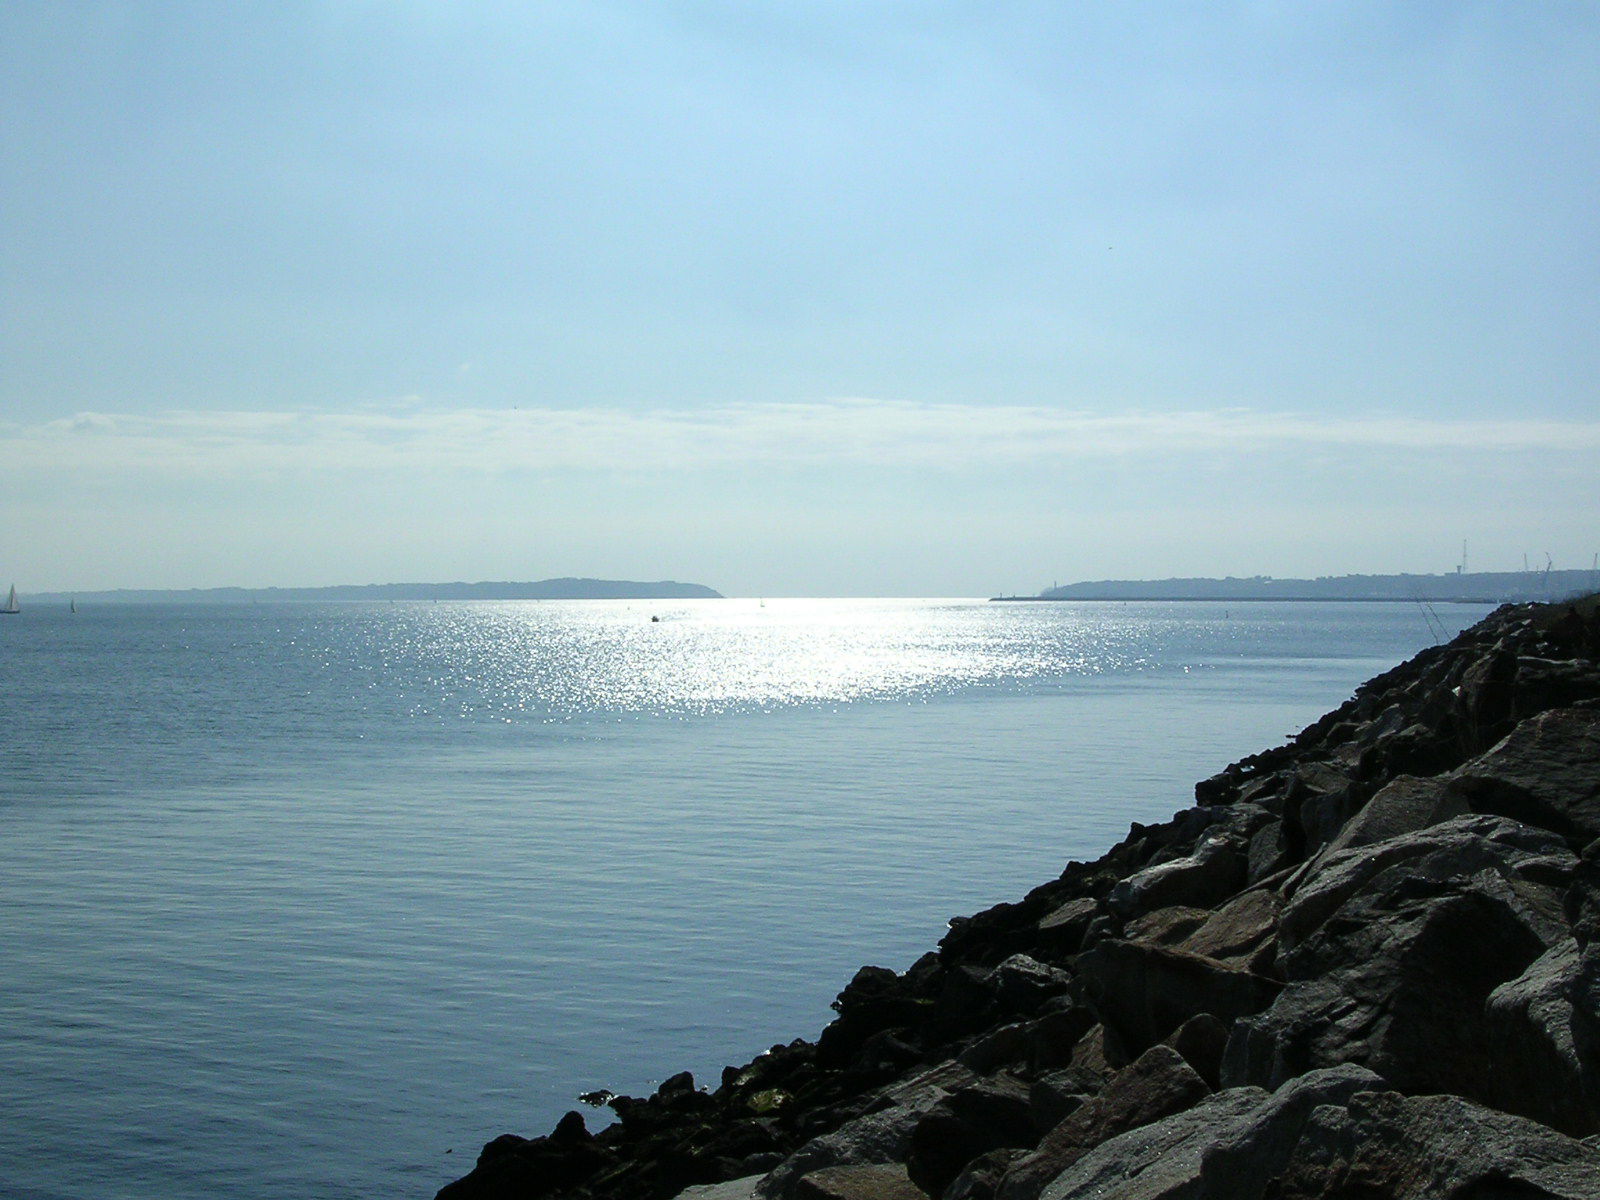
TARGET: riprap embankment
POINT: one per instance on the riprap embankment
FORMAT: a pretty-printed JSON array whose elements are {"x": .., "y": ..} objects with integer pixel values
[{"x": 1364, "y": 964}]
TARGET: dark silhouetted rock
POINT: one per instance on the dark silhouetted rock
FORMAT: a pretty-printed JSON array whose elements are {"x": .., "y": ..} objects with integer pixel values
[
  {"x": 1202, "y": 1040},
  {"x": 1533, "y": 1044},
  {"x": 991, "y": 1114}
]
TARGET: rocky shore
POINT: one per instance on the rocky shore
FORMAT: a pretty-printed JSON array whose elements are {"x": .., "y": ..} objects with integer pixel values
[{"x": 1365, "y": 964}]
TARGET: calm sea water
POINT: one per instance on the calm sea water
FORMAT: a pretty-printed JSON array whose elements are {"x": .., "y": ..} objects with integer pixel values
[{"x": 313, "y": 900}]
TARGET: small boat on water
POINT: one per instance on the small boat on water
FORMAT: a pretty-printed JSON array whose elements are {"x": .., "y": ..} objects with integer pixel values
[{"x": 11, "y": 602}]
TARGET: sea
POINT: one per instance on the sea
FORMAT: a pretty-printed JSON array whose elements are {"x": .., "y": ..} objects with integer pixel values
[{"x": 312, "y": 900}]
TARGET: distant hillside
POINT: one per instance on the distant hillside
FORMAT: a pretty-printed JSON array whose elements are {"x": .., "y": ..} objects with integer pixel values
[
  {"x": 1490, "y": 587},
  {"x": 544, "y": 589}
]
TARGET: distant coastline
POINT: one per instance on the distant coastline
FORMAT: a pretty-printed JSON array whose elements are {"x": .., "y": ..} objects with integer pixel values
[
  {"x": 544, "y": 589},
  {"x": 1482, "y": 587}
]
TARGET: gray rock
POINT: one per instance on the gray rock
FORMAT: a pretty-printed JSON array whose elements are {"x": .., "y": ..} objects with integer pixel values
[
  {"x": 880, "y": 1181},
  {"x": 991, "y": 1114},
  {"x": 1202, "y": 1040},
  {"x": 733, "y": 1189},
  {"x": 1165, "y": 926},
  {"x": 1056, "y": 1096},
  {"x": 1156, "y": 1085},
  {"x": 1462, "y": 845},
  {"x": 1332, "y": 1135},
  {"x": 1404, "y": 805},
  {"x": 1211, "y": 874},
  {"x": 1383, "y": 1144},
  {"x": 882, "y": 1136},
  {"x": 1155, "y": 1160},
  {"x": 1545, "y": 772},
  {"x": 1398, "y": 978},
  {"x": 1022, "y": 984},
  {"x": 1536, "y": 1069},
  {"x": 1251, "y": 1136},
  {"x": 982, "y": 1176},
  {"x": 1145, "y": 992},
  {"x": 1269, "y": 852},
  {"x": 1238, "y": 929}
]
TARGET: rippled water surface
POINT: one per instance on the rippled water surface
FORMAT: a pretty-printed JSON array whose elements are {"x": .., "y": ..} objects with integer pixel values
[{"x": 313, "y": 900}]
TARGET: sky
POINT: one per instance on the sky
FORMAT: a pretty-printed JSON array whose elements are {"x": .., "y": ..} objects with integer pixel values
[{"x": 801, "y": 297}]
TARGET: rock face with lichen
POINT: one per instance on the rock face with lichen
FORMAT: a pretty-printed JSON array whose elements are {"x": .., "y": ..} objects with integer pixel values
[{"x": 1365, "y": 964}]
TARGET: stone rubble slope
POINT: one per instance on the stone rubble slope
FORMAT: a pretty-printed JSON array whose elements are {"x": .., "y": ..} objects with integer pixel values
[{"x": 1365, "y": 964}]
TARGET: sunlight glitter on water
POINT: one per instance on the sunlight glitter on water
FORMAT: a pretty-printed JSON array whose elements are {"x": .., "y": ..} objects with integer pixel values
[{"x": 701, "y": 657}]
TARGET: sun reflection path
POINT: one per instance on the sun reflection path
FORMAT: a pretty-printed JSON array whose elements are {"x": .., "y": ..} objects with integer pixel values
[{"x": 558, "y": 660}]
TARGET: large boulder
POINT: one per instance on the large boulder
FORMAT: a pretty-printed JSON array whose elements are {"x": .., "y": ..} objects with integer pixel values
[
  {"x": 1401, "y": 806},
  {"x": 1156, "y": 1085},
  {"x": 881, "y": 1135},
  {"x": 1232, "y": 1145},
  {"x": 1460, "y": 846},
  {"x": 1143, "y": 992},
  {"x": 1391, "y": 955},
  {"x": 879, "y": 1181},
  {"x": 1545, "y": 772},
  {"x": 1335, "y": 1135},
  {"x": 1212, "y": 873},
  {"x": 1384, "y": 1144},
  {"x": 1537, "y": 1068},
  {"x": 991, "y": 1114}
]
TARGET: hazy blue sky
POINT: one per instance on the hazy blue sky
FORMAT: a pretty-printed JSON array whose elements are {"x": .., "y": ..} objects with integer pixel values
[{"x": 795, "y": 298}]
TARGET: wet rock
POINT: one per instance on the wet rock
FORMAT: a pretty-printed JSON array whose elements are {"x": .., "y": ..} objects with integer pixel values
[
  {"x": 516, "y": 1168},
  {"x": 876, "y": 1000}
]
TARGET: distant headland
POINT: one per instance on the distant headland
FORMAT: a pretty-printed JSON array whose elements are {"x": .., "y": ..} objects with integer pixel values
[
  {"x": 544, "y": 589},
  {"x": 1487, "y": 587}
]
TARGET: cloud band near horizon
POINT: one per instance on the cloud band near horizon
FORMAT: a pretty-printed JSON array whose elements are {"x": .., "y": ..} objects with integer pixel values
[{"x": 778, "y": 435}]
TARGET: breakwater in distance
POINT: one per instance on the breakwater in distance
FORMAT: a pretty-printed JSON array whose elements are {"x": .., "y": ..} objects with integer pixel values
[
  {"x": 1366, "y": 962},
  {"x": 1460, "y": 587}
]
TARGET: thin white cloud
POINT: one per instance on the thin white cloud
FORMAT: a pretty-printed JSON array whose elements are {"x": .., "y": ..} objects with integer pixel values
[{"x": 873, "y": 432}]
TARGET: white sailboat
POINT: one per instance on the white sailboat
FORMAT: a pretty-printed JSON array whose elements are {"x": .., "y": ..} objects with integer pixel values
[{"x": 11, "y": 602}]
